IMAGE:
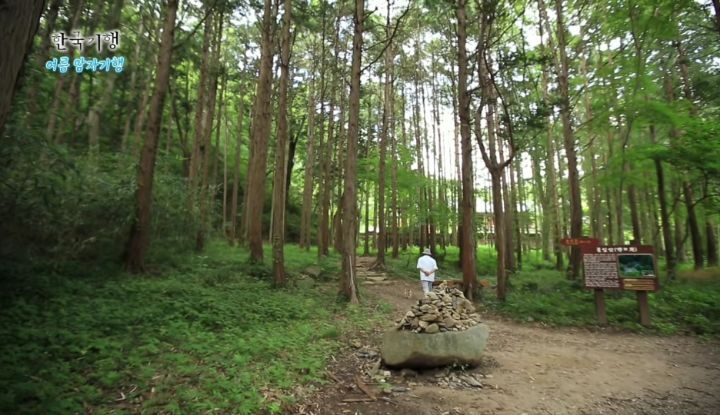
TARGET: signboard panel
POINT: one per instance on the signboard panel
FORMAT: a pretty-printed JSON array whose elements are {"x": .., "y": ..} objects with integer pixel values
[
  {"x": 601, "y": 271},
  {"x": 625, "y": 267}
]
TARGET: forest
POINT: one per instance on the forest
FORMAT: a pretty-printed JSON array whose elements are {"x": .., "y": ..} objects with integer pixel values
[{"x": 167, "y": 192}]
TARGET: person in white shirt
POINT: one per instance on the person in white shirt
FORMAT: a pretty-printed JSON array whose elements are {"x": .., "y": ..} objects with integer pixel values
[{"x": 427, "y": 266}]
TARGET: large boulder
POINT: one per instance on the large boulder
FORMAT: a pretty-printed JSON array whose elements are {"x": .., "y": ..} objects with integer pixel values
[{"x": 407, "y": 349}]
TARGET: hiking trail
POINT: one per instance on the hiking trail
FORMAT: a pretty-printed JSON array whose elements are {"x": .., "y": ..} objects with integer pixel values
[{"x": 529, "y": 369}]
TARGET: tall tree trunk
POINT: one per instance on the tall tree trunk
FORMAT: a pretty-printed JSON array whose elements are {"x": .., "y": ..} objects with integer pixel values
[
  {"x": 324, "y": 229},
  {"x": 260, "y": 137},
  {"x": 236, "y": 174},
  {"x": 386, "y": 115},
  {"x": 552, "y": 182},
  {"x": 405, "y": 225},
  {"x": 140, "y": 230},
  {"x": 169, "y": 129},
  {"x": 224, "y": 219},
  {"x": 664, "y": 214},
  {"x": 43, "y": 53},
  {"x": 72, "y": 108},
  {"x": 679, "y": 224},
  {"x": 569, "y": 142},
  {"x": 306, "y": 212},
  {"x": 619, "y": 211},
  {"x": 496, "y": 167},
  {"x": 323, "y": 233},
  {"x": 75, "y": 10},
  {"x": 542, "y": 199},
  {"x": 496, "y": 172},
  {"x": 337, "y": 229},
  {"x": 338, "y": 178},
  {"x": 597, "y": 223},
  {"x": 200, "y": 109},
  {"x": 633, "y": 204},
  {"x": 422, "y": 213},
  {"x": 375, "y": 218},
  {"x": 517, "y": 196},
  {"x": 716, "y": 6},
  {"x": 216, "y": 159},
  {"x": 508, "y": 214},
  {"x": 124, "y": 142},
  {"x": 244, "y": 225},
  {"x": 206, "y": 148},
  {"x": 19, "y": 20},
  {"x": 652, "y": 220},
  {"x": 712, "y": 249},
  {"x": 456, "y": 143},
  {"x": 592, "y": 191},
  {"x": 468, "y": 235},
  {"x": 615, "y": 194},
  {"x": 394, "y": 172},
  {"x": 430, "y": 218},
  {"x": 366, "y": 247},
  {"x": 437, "y": 184},
  {"x": 142, "y": 113},
  {"x": 695, "y": 237},
  {"x": 93, "y": 118},
  {"x": 291, "y": 152},
  {"x": 608, "y": 200},
  {"x": 278, "y": 231},
  {"x": 348, "y": 283}
]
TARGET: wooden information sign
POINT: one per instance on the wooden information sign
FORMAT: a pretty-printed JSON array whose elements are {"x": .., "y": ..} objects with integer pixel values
[{"x": 620, "y": 267}]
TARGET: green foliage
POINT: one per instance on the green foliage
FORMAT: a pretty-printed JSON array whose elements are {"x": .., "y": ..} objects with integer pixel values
[
  {"x": 201, "y": 337},
  {"x": 698, "y": 149},
  {"x": 56, "y": 205}
]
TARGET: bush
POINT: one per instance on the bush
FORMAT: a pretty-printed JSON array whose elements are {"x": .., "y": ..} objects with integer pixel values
[{"x": 58, "y": 205}]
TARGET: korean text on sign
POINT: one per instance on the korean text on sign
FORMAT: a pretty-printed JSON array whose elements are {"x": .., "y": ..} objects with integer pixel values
[
  {"x": 77, "y": 41},
  {"x": 615, "y": 249},
  {"x": 83, "y": 64}
]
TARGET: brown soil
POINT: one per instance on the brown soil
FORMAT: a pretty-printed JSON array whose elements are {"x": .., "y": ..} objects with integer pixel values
[{"x": 529, "y": 369}]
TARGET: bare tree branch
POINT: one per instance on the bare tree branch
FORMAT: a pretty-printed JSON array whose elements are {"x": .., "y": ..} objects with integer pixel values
[
  {"x": 207, "y": 14},
  {"x": 388, "y": 41}
]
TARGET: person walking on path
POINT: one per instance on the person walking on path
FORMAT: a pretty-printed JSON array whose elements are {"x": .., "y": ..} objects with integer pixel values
[{"x": 427, "y": 266}]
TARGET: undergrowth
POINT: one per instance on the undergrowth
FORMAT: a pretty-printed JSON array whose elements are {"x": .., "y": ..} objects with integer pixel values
[
  {"x": 197, "y": 335},
  {"x": 683, "y": 306}
]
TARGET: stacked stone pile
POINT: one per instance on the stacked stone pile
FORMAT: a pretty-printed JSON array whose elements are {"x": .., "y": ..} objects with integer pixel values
[{"x": 443, "y": 309}]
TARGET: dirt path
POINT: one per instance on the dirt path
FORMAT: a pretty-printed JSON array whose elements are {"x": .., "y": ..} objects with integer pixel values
[{"x": 529, "y": 370}]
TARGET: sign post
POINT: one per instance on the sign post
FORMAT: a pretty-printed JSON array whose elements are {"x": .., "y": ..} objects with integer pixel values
[
  {"x": 620, "y": 267},
  {"x": 600, "y": 306},
  {"x": 643, "y": 307},
  {"x": 585, "y": 243}
]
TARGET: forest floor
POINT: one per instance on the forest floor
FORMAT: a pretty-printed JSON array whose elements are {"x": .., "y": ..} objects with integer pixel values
[{"x": 529, "y": 369}]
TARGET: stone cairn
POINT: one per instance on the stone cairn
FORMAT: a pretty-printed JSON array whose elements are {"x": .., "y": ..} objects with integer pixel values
[{"x": 443, "y": 309}]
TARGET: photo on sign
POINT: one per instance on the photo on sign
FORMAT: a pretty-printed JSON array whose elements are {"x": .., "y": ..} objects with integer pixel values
[{"x": 636, "y": 266}]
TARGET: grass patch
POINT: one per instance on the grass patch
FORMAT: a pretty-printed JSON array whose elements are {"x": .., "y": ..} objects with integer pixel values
[
  {"x": 198, "y": 335},
  {"x": 683, "y": 306}
]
